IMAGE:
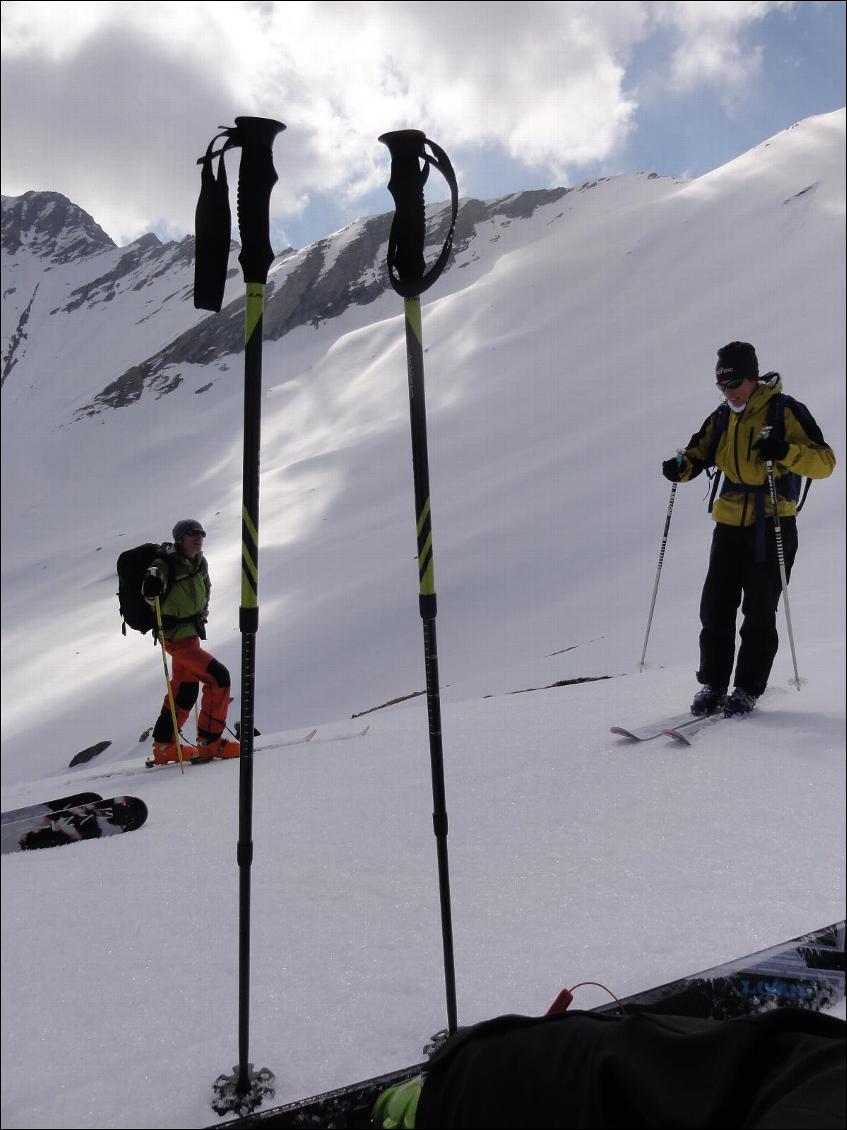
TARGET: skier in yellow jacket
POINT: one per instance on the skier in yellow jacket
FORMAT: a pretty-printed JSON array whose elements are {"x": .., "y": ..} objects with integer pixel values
[{"x": 757, "y": 424}]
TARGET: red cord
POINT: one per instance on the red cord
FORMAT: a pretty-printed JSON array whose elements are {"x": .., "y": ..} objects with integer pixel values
[{"x": 565, "y": 998}]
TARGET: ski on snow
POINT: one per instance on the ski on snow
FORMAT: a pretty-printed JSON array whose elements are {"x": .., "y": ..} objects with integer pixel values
[
  {"x": 686, "y": 732},
  {"x": 656, "y": 729},
  {"x": 681, "y": 727},
  {"x": 129, "y": 769},
  {"x": 262, "y": 746},
  {"x": 320, "y": 741},
  {"x": 69, "y": 825},
  {"x": 48, "y": 806},
  {"x": 806, "y": 972}
]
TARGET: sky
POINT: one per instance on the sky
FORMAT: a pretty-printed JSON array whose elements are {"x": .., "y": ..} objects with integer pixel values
[{"x": 111, "y": 103}]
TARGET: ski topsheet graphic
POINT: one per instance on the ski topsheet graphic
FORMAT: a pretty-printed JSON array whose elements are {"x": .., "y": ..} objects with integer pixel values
[
  {"x": 805, "y": 972},
  {"x": 69, "y": 825},
  {"x": 48, "y": 806}
]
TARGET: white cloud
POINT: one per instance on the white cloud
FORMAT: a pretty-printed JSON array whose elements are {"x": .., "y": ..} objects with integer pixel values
[
  {"x": 111, "y": 103},
  {"x": 710, "y": 46}
]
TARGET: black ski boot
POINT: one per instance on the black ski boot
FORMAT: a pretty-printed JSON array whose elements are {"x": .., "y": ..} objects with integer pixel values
[
  {"x": 739, "y": 704},
  {"x": 707, "y": 701}
]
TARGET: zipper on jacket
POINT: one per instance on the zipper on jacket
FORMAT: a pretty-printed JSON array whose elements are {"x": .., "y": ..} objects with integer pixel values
[{"x": 740, "y": 478}]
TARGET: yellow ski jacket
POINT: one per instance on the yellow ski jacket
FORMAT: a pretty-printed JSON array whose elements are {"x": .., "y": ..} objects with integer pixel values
[{"x": 726, "y": 441}]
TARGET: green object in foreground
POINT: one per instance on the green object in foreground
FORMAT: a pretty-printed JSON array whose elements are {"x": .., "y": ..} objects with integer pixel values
[{"x": 398, "y": 1106}]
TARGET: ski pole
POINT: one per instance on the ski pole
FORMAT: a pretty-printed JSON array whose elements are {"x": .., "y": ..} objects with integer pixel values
[
  {"x": 661, "y": 561},
  {"x": 410, "y": 163},
  {"x": 246, "y": 1089},
  {"x": 161, "y": 633},
  {"x": 777, "y": 529}
]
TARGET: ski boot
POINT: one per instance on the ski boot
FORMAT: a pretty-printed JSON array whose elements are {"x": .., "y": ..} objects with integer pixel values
[
  {"x": 209, "y": 748},
  {"x": 739, "y": 704},
  {"x": 707, "y": 701},
  {"x": 164, "y": 752}
]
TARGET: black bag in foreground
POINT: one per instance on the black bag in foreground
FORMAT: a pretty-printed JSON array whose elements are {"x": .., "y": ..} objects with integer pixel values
[{"x": 778, "y": 1069}]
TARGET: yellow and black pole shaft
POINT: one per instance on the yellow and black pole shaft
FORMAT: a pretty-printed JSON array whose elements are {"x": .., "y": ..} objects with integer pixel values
[
  {"x": 410, "y": 163},
  {"x": 160, "y": 632},
  {"x": 256, "y": 178},
  {"x": 797, "y": 681}
]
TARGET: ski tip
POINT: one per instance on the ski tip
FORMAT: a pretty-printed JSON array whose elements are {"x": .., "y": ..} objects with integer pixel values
[
  {"x": 130, "y": 812},
  {"x": 620, "y": 732}
]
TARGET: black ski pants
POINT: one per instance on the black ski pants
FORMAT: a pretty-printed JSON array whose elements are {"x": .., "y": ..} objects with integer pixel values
[{"x": 736, "y": 577}]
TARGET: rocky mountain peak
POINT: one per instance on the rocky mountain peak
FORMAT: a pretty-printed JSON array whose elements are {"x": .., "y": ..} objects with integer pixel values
[{"x": 52, "y": 227}]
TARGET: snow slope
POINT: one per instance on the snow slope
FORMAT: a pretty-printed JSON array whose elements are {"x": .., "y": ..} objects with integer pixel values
[{"x": 569, "y": 356}]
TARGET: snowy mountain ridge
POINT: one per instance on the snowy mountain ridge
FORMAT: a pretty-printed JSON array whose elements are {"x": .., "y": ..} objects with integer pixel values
[{"x": 46, "y": 231}]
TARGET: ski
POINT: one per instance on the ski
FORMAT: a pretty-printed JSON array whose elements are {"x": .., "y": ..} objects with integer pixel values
[
  {"x": 685, "y": 733},
  {"x": 68, "y": 825},
  {"x": 320, "y": 741},
  {"x": 149, "y": 765},
  {"x": 806, "y": 972},
  {"x": 348, "y": 1106},
  {"x": 656, "y": 730},
  {"x": 194, "y": 759},
  {"x": 296, "y": 741},
  {"x": 48, "y": 806}
]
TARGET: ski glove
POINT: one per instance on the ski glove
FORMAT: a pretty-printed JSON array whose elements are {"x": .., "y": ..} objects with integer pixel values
[
  {"x": 672, "y": 469},
  {"x": 771, "y": 448},
  {"x": 152, "y": 586}
]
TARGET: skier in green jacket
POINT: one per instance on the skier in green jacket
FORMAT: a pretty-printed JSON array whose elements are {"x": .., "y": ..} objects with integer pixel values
[{"x": 180, "y": 578}]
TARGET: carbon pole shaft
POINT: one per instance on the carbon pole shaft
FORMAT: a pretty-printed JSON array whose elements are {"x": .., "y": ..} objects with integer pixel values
[
  {"x": 248, "y": 624},
  {"x": 428, "y": 610},
  {"x": 257, "y": 177},
  {"x": 780, "y": 554},
  {"x": 242, "y": 1091},
  {"x": 658, "y": 573},
  {"x": 160, "y": 631},
  {"x": 412, "y": 155}
]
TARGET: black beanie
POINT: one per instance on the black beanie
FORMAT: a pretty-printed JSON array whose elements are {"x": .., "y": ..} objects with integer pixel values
[{"x": 738, "y": 359}]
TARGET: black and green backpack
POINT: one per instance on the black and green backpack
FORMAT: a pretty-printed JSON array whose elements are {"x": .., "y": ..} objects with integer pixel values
[{"x": 132, "y": 566}]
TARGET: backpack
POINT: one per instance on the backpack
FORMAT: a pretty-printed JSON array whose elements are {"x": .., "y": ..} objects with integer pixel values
[
  {"x": 132, "y": 566},
  {"x": 788, "y": 485}
]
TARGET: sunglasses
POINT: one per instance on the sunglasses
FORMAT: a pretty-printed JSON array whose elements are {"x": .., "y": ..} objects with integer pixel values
[
  {"x": 736, "y": 383},
  {"x": 195, "y": 534}
]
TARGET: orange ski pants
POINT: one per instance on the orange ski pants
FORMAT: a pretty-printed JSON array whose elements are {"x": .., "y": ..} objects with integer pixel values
[{"x": 191, "y": 666}]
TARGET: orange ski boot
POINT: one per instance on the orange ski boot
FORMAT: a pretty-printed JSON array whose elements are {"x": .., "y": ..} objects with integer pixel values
[
  {"x": 164, "y": 752},
  {"x": 217, "y": 747}
]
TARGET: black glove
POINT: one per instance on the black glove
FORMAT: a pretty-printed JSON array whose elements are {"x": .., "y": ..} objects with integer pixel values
[
  {"x": 771, "y": 448},
  {"x": 151, "y": 586},
  {"x": 672, "y": 469}
]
